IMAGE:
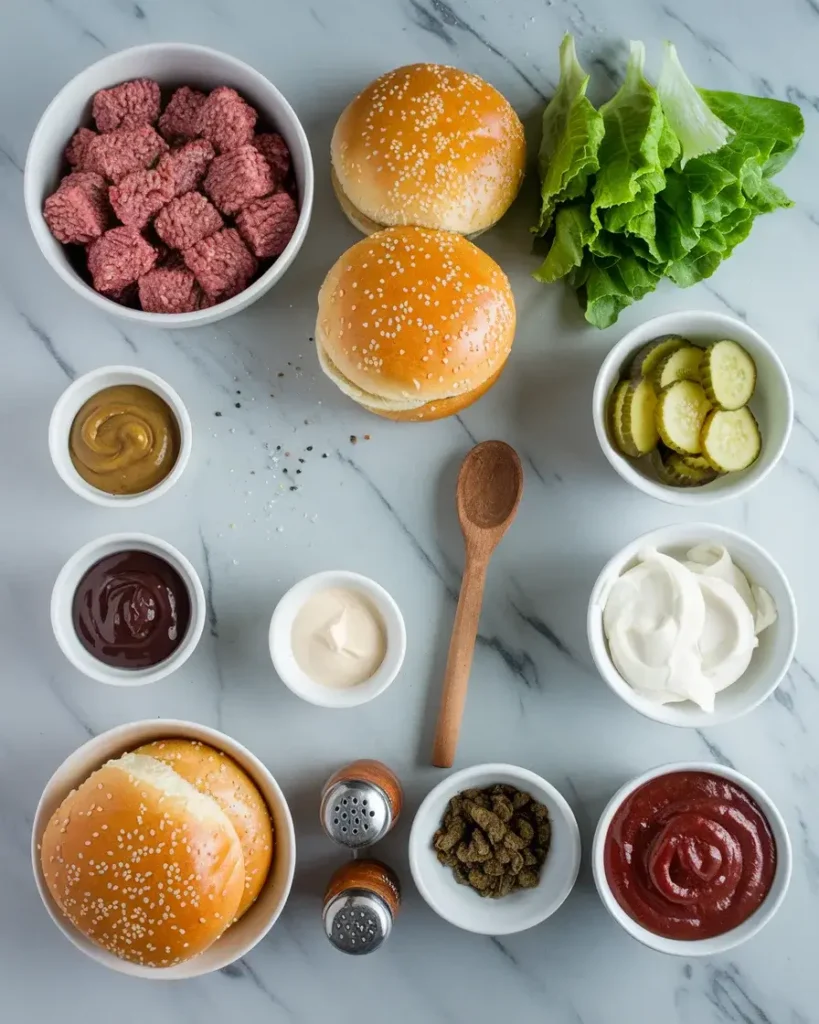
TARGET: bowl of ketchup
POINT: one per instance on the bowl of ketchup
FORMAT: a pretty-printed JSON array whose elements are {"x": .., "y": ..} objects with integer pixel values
[{"x": 691, "y": 859}]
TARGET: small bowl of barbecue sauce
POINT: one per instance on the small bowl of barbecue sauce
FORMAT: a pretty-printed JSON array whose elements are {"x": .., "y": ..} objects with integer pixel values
[
  {"x": 691, "y": 859},
  {"x": 128, "y": 609}
]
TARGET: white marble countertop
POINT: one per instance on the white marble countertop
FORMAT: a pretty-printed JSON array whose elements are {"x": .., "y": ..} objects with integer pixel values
[{"x": 384, "y": 507}]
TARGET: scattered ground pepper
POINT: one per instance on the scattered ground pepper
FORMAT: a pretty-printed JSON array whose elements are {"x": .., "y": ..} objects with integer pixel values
[{"x": 495, "y": 840}]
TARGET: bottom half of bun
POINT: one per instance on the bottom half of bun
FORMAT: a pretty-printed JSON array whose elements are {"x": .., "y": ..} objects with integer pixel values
[{"x": 418, "y": 411}]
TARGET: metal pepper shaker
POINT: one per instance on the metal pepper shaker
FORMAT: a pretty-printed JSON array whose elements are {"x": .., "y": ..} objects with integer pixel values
[
  {"x": 360, "y": 803},
  {"x": 361, "y": 902}
]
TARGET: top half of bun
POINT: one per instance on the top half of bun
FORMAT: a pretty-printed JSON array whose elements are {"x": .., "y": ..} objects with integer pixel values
[
  {"x": 143, "y": 863},
  {"x": 429, "y": 145},
  {"x": 214, "y": 773},
  {"x": 410, "y": 316}
]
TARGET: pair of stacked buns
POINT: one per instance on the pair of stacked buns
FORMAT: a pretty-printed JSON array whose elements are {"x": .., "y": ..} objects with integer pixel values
[
  {"x": 415, "y": 322},
  {"x": 159, "y": 851}
]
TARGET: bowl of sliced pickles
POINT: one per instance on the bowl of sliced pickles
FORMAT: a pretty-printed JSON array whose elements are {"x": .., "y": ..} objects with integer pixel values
[{"x": 693, "y": 408}]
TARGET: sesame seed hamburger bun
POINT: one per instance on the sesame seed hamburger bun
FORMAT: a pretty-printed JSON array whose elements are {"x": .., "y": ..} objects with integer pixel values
[
  {"x": 144, "y": 864},
  {"x": 218, "y": 776},
  {"x": 415, "y": 324},
  {"x": 429, "y": 145}
]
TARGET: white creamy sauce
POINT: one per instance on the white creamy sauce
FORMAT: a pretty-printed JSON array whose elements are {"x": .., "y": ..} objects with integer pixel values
[
  {"x": 685, "y": 630},
  {"x": 338, "y": 638}
]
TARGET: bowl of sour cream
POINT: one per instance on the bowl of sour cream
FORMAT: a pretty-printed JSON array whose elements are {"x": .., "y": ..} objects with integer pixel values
[
  {"x": 337, "y": 639},
  {"x": 692, "y": 625}
]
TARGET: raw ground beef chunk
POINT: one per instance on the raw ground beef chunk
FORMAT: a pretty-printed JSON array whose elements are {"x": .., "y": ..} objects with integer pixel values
[
  {"x": 267, "y": 225},
  {"x": 119, "y": 153},
  {"x": 118, "y": 259},
  {"x": 139, "y": 196},
  {"x": 274, "y": 149},
  {"x": 186, "y": 166},
  {"x": 78, "y": 146},
  {"x": 237, "y": 178},
  {"x": 78, "y": 211},
  {"x": 187, "y": 220},
  {"x": 127, "y": 105},
  {"x": 226, "y": 120},
  {"x": 180, "y": 119},
  {"x": 222, "y": 263},
  {"x": 169, "y": 290}
]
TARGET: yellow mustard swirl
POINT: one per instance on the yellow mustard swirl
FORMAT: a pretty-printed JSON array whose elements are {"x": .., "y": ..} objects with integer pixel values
[{"x": 124, "y": 440}]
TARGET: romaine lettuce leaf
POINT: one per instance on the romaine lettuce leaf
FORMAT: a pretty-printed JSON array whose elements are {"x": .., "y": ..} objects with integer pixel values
[
  {"x": 638, "y": 143},
  {"x": 572, "y": 132},
  {"x": 648, "y": 201},
  {"x": 697, "y": 127},
  {"x": 573, "y": 230}
]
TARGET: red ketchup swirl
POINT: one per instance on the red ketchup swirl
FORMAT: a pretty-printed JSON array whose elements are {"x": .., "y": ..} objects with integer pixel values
[
  {"x": 131, "y": 610},
  {"x": 689, "y": 855}
]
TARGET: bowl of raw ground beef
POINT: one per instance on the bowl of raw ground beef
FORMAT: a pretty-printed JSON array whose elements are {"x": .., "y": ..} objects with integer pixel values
[{"x": 169, "y": 184}]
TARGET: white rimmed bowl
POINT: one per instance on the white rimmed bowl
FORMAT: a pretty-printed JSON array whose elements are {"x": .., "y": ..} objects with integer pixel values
[
  {"x": 459, "y": 904},
  {"x": 171, "y": 64},
  {"x": 719, "y": 943},
  {"x": 62, "y": 598},
  {"x": 241, "y": 937},
  {"x": 772, "y": 404},
  {"x": 771, "y": 659},
  {"x": 281, "y": 647},
  {"x": 77, "y": 394}
]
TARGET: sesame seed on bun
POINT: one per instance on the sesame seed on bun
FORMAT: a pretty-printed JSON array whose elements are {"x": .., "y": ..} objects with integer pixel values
[
  {"x": 415, "y": 324},
  {"x": 147, "y": 856},
  {"x": 428, "y": 145}
]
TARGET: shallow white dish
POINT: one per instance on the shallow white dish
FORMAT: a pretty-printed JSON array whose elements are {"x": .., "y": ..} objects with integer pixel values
[
  {"x": 69, "y": 404},
  {"x": 771, "y": 659},
  {"x": 171, "y": 64},
  {"x": 459, "y": 904},
  {"x": 281, "y": 649},
  {"x": 738, "y": 935},
  {"x": 772, "y": 404},
  {"x": 62, "y": 598},
  {"x": 259, "y": 919}
]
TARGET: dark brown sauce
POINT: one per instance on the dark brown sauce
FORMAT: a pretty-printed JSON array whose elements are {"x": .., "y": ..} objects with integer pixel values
[{"x": 131, "y": 610}]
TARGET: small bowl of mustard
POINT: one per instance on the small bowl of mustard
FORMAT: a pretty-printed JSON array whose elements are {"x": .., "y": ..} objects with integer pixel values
[{"x": 120, "y": 436}]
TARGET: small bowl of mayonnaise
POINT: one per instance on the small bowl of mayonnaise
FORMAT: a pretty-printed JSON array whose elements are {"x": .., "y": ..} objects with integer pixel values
[
  {"x": 692, "y": 625},
  {"x": 337, "y": 639}
]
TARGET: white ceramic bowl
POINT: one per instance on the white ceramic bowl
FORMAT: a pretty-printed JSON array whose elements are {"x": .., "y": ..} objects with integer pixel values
[
  {"x": 771, "y": 659},
  {"x": 459, "y": 904},
  {"x": 281, "y": 649},
  {"x": 259, "y": 919},
  {"x": 69, "y": 404},
  {"x": 62, "y": 598},
  {"x": 171, "y": 64},
  {"x": 772, "y": 404},
  {"x": 720, "y": 943}
]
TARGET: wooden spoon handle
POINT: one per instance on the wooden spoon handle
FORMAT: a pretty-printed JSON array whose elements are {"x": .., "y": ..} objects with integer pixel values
[{"x": 459, "y": 663}]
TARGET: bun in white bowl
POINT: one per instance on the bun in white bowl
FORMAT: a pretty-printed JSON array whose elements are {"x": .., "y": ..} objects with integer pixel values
[
  {"x": 172, "y": 65},
  {"x": 187, "y": 806},
  {"x": 770, "y": 660}
]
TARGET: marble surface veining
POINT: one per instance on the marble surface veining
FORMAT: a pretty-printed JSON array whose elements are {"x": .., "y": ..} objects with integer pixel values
[{"x": 383, "y": 506}]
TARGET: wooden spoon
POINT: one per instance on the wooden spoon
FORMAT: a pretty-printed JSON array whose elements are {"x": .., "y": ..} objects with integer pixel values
[{"x": 490, "y": 485}]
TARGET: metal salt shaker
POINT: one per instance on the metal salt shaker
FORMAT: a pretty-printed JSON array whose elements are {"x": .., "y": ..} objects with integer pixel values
[
  {"x": 360, "y": 905},
  {"x": 360, "y": 804}
]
